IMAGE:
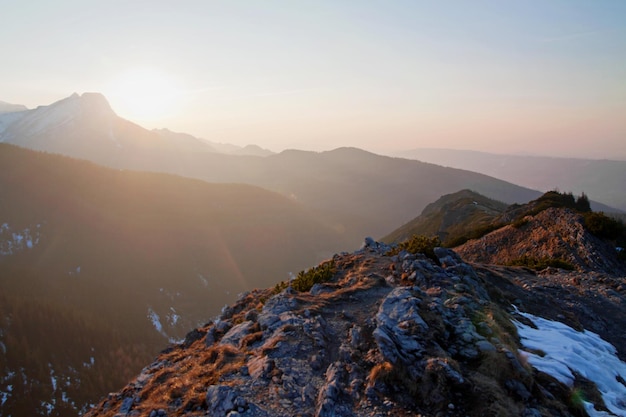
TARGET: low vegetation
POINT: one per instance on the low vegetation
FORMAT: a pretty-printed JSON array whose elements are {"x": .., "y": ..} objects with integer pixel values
[
  {"x": 603, "y": 226},
  {"x": 418, "y": 244},
  {"x": 539, "y": 264},
  {"x": 560, "y": 200},
  {"x": 305, "y": 280},
  {"x": 476, "y": 233}
]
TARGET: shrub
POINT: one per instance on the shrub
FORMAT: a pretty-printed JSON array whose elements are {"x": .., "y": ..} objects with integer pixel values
[
  {"x": 541, "y": 263},
  {"x": 316, "y": 275},
  {"x": 418, "y": 244},
  {"x": 603, "y": 226},
  {"x": 476, "y": 233},
  {"x": 582, "y": 203},
  {"x": 558, "y": 200}
]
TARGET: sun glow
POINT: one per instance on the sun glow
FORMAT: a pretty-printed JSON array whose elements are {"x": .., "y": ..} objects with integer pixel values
[{"x": 145, "y": 94}]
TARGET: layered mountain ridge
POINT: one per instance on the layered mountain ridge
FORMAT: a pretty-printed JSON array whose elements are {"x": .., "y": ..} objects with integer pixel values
[
  {"x": 361, "y": 193},
  {"x": 129, "y": 260},
  {"x": 603, "y": 180}
]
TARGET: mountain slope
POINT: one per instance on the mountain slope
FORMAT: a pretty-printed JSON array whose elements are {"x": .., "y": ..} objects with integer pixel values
[
  {"x": 392, "y": 335},
  {"x": 84, "y": 126},
  {"x": 602, "y": 180},
  {"x": 555, "y": 233},
  {"x": 451, "y": 217},
  {"x": 11, "y": 108},
  {"x": 148, "y": 255},
  {"x": 359, "y": 192}
]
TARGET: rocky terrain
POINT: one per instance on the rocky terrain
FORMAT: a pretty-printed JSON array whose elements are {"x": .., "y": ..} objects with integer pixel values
[
  {"x": 389, "y": 333},
  {"x": 555, "y": 233}
]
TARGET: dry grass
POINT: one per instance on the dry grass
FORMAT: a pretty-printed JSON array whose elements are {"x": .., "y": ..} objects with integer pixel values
[
  {"x": 183, "y": 384},
  {"x": 489, "y": 399},
  {"x": 381, "y": 372}
]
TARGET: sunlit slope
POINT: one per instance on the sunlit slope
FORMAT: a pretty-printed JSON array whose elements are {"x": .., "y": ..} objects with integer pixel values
[
  {"x": 147, "y": 256},
  {"x": 452, "y": 217},
  {"x": 139, "y": 236},
  {"x": 358, "y": 192}
]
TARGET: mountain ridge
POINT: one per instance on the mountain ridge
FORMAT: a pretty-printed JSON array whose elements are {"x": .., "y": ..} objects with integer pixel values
[
  {"x": 339, "y": 184},
  {"x": 600, "y": 178},
  {"x": 386, "y": 333},
  {"x": 139, "y": 257}
]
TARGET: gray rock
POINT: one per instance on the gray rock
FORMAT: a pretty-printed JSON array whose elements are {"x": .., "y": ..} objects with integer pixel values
[
  {"x": 235, "y": 334},
  {"x": 220, "y": 400},
  {"x": 399, "y": 327},
  {"x": 276, "y": 311},
  {"x": 127, "y": 404},
  {"x": 484, "y": 346},
  {"x": 329, "y": 394},
  {"x": 518, "y": 389},
  {"x": 260, "y": 367}
]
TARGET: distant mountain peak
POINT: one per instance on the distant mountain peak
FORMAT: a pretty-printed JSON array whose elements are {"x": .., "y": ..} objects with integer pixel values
[
  {"x": 11, "y": 108},
  {"x": 90, "y": 102},
  {"x": 96, "y": 100}
]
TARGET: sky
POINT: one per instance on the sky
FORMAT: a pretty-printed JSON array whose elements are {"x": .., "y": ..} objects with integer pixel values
[{"x": 527, "y": 77}]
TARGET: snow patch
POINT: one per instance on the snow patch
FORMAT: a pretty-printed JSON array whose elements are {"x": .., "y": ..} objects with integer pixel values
[
  {"x": 14, "y": 241},
  {"x": 155, "y": 319},
  {"x": 4, "y": 396},
  {"x": 173, "y": 318},
  {"x": 567, "y": 351},
  {"x": 204, "y": 281}
]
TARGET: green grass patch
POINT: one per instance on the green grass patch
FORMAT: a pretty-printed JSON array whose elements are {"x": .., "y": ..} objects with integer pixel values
[
  {"x": 305, "y": 280},
  {"x": 418, "y": 244},
  {"x": 539, "y": 264}
]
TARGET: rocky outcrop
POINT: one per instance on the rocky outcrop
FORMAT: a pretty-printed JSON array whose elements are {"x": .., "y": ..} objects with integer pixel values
[
  {"x": 388, "y": 335},
  {"x": 555, "y": 233}
]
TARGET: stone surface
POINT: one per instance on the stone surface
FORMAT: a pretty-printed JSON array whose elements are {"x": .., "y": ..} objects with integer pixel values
[{"x": 390, "y": 335}]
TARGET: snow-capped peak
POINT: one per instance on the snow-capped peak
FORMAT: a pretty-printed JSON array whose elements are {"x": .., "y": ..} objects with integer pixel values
[{"x": 32, "y": 122}]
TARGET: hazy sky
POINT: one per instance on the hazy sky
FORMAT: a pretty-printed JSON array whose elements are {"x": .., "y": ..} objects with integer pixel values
[{"x": 535, "y": 77}]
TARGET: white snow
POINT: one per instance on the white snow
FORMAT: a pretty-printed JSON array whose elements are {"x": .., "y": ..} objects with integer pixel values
[
  {"x": 12, "y": 241},
  {"x": 567, "y": 350},
  {"x": 89, "y": 364},
  {"x": 173, "y": 317},
  {"x": 156, "y": 321},
  {"x": 52, "y": 377},
  {"x": 204, "y": 281},
  {"x": 48, "y": 407},
  {"x": 32, "y": 122}
]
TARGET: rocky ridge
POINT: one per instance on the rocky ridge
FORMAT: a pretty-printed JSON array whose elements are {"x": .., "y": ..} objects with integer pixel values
[
  {"x": 389, "y": 335},
  {"x": 555, "y": 233}
]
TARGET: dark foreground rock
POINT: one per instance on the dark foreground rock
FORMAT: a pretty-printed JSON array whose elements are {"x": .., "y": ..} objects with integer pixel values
[{"x": 388, "y": 335}]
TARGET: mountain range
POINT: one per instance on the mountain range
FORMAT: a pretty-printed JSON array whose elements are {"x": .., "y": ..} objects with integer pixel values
[
  {"x": 122, "y": 239},
  {"x": 602, "y": 180},
  {"x": 359, "y": 192}
]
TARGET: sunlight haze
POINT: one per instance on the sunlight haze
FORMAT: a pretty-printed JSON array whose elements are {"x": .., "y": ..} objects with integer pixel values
[{"x": 535, "y": 77}]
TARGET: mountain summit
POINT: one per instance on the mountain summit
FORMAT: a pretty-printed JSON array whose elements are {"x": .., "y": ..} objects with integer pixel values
[{"x": 85, "y": 126}]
